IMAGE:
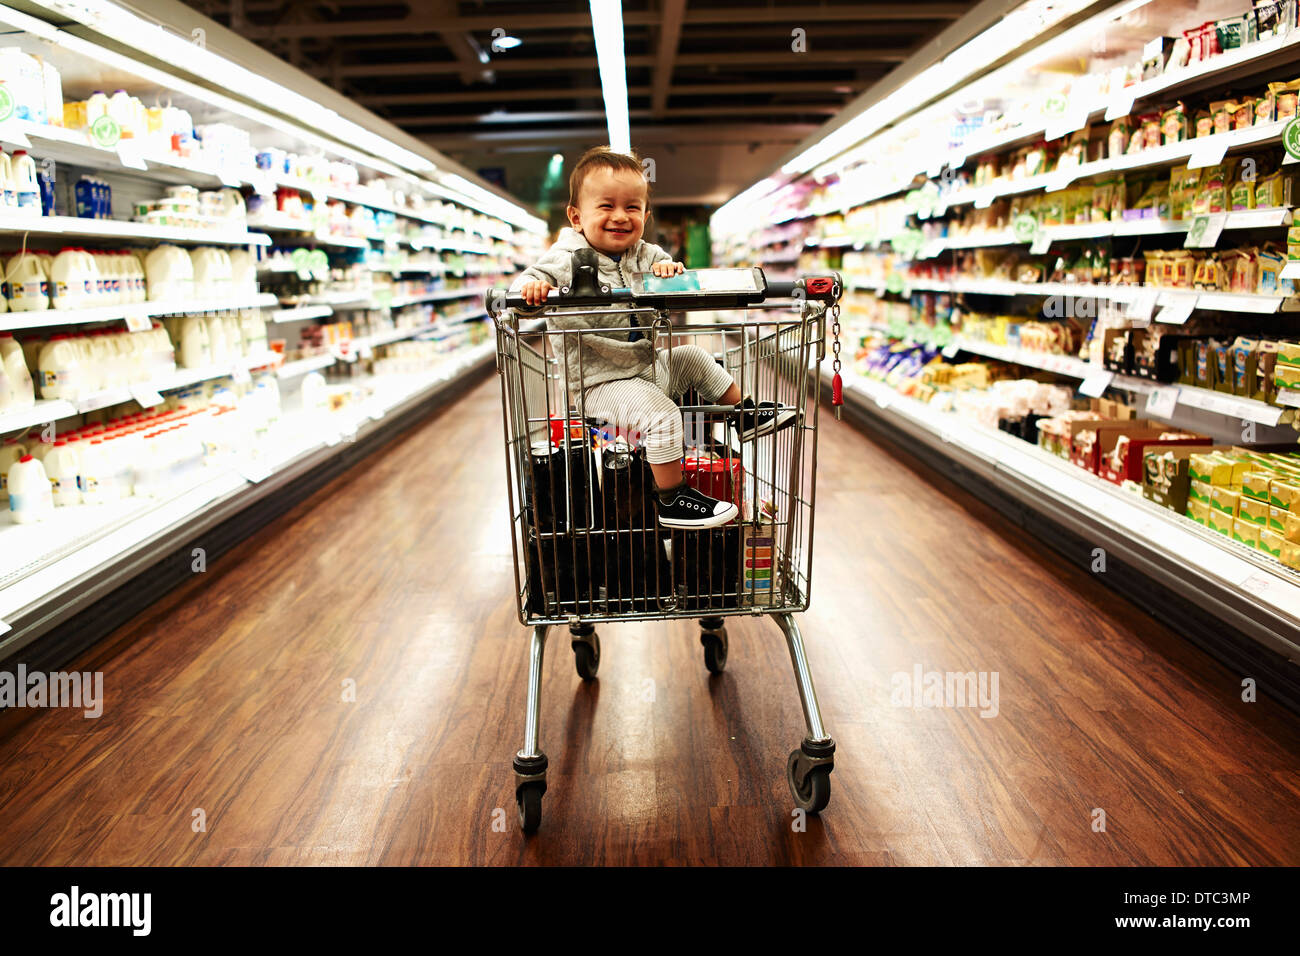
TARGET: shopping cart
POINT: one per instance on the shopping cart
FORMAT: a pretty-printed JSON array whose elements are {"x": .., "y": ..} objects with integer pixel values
[{"x": 586, "y": 543}]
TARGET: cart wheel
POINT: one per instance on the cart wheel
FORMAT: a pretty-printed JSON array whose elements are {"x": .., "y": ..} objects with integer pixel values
[
  {"x": 529, "y": 798},
  {"x": 586, "y": 655},
  {"x": 715, "y": 649},
  {"x": 810, "y": 787}
]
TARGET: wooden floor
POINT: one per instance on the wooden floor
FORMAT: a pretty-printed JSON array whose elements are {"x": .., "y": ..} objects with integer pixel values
[{"x": 228, "y": 698}]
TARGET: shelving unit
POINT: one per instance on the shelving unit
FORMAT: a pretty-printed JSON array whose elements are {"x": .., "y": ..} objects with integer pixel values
[
  {"x": 53, "y": 570},
  {"x": 923, "y": 239}
]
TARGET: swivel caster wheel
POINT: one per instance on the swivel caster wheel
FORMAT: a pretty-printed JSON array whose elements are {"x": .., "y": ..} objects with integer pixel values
[
  {"x": 809, "y": 777},
  {"x": 529, "y": 798},
  {"x": 586, "y": 653},
  {"x": 715, "y": 649},
  {"x": 530, "y": 784}
]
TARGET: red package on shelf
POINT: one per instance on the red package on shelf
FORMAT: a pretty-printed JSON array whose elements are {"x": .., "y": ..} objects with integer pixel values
[{"x": 721, "y": 478}]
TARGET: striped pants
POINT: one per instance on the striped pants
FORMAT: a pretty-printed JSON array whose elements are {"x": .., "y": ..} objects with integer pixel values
[{"x": 643, "y": 407}]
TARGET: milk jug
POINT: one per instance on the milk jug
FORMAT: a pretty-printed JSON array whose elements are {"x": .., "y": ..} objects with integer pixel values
[
  {"x": 23, "y": 393},
  {"x": 10, "y": 451},
  {"x": 59, "y": 368},
  {"x": 29, "y": 290},
  {"x": 170, "y": 274},
  {"x": 195, "y": 351},
  {"x": 62, "y": 468},
  {"x": 8, "y": 195},
  {"x": 26, "y": 186},
  {"x": 30, "y": 498},
  {"x": 68, "y": 280}
]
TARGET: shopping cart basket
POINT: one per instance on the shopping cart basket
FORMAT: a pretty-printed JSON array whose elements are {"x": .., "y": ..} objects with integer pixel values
[{"x": 587, "y": 546}]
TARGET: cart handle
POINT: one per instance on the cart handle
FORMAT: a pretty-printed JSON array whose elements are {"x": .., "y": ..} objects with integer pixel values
[{"x": 821, "y": 288}]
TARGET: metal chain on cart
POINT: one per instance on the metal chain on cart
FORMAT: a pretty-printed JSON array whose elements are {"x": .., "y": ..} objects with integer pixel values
[{"x": 837, "y": 385}]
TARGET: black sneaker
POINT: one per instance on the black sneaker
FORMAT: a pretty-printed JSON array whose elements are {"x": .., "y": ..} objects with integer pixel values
[
  {"x": 689, "y": 508},
  {"x": 768, "y": 417}
]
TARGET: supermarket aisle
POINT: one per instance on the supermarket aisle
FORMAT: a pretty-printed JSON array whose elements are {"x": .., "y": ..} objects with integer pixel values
[{"x": 228, "y": 698}]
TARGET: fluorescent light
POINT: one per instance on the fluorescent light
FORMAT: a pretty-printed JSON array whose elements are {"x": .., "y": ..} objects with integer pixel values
[
  {"x": 505, "y": 43},
  {"x": 607, "y": 22}
]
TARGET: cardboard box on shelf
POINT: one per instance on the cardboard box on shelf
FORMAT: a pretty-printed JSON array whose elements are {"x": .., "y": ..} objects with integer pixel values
[
  {"x": 1138, "y": 444},
  {"x": 1249, "y": 509},
  {"x": 1225, "y": 500},
  {"x": 1270, "y": 542}
]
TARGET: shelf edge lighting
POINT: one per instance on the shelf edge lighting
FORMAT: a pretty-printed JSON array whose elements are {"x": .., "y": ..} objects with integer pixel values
[{"x": 607, "y": 23}]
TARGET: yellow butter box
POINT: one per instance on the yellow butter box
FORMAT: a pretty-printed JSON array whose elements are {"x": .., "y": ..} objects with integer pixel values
[
  {"x": 1281, "y": 494},
  {"x": 1218, "y": 521},
  {"x": 1277, "y": 519},
  {"x": 1226, "y": 500},
  {"x": 1270, "y": 542},
  {"x": 1290, "y": 555},
  {"x": 1254, "y": 484},
  {"x": 1291, "y": 531},
  {"x": 1247, "y": 532},
  {"x": 1199, "y": 491},
  {"x": 1198, "y": 511},
  {"x": 1254, "y": 511},
  {"x": 1211, "y": 469}
]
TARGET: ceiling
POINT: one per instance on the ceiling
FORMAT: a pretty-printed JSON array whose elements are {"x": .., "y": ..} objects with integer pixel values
[{"x": 718, "y": 90}]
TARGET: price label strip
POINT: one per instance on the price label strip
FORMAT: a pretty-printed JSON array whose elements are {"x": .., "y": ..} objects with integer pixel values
[
  {"x": 1120, "y": 105},
  {"x": 1204, "y": 231},
  {"x": 1178, "y": 311},
  {"x": 1095, "y": 385},
  {"x": 1161, "y": 402},
  {"x": 255, "y": 471},
  {"x": 240, "y": 374},
  {"x": 146, "y": 396}
]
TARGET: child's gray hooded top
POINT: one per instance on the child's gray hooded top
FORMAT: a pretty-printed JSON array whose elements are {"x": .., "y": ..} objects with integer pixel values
[{"x": 605, "y": 356}]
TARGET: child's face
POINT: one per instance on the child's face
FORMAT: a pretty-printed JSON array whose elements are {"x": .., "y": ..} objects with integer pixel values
[{"x": 611, "y": 209}]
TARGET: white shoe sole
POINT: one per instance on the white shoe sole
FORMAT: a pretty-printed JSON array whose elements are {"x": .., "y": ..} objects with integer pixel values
[
  {"x": 701, "y": 524},
  {"x": 772, "y": 425}
]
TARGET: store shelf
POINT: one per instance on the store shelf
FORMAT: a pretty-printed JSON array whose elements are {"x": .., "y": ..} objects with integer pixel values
[
  {"x": 51, "y": 569},
  {"x": 1192, "y": 396},
  {"x": 39, "y": 414},
  {"x": 181, "y": 378},
  {"x": 300, "y": 367},
  {"x": 1244, "y": 587},
  {"x": 36, "y": 320},
  {"x": 118, "y": 229},
  {"x": 1217, "y": 301}
]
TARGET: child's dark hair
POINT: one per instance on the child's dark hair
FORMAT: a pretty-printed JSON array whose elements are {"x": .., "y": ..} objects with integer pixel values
[{"x": 599, "y": 156}]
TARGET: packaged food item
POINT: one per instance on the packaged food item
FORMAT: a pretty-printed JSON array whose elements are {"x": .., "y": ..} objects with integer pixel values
[
  {"x": 1242, "y": 194},
  {"x": 1202, "y": 124},
  {"x": 1117, "y": 140},
  {"x": 1265, "y": 109},
  {"x": 1230, "y": 32},
  {"x": 1284, "y": 95},
  {"x": 1173, "y": 124},
  {"x": 1243, "y": 117},
  {"x": 1222, "y": 115}
]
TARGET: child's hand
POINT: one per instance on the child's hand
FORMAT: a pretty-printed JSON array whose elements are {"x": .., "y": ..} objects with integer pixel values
[
  {"x": 665, "y": 269},
  {"x": 535, "y": 291}
]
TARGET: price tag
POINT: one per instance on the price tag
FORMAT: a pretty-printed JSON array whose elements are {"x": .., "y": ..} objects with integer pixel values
[
  {"x": 1203, "y": 233},
  {"x": 5, "y": 628},
  {"x": 932, "y": 248},
  {"x": 984, "y": 199},
  {"x": 262, "y": 184},
  {"x": 332, "y": 439},
  {"x": 951, "y": 349},
  {"x": 1161, "y": 402},
  {"x": 138, "y": 321},
  {"x": 1178, "y": 311},
  {"x": 11, "y": 133},
  {"x": 1059, "y": 179},
  {"x": 146, "y": 396},
  {"x": 1143, "y": 304},
  {"x": 1291, "y": 270},
  {"x": 240, "y": 374},
  {"x": 1279, "y": 593},
  {"x": 128, "y": 154},
  {"x": 1120, "y": 105},
  {"x": 365, "y": 351},
  {"x": 1095, "y": 385},
  {"x": 1289, "y": 397},
  {"x": 1042, "y": 242},
  {"x": 255, "y": 471},
  {"x": 1209, "y": 153}
]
